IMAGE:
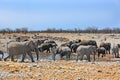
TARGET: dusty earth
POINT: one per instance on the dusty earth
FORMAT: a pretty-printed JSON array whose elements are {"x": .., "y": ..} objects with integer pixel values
[{"x": 107, "y": 68}]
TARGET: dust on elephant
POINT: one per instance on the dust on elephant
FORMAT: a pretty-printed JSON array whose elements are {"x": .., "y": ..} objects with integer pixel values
[
  {"x": 62, "y": 50},
  {"x": 18, "y": 48},
  {"x": 85, "y": 50}
]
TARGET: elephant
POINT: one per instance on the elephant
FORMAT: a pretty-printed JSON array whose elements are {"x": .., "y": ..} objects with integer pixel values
[
  {"x": 85, "y": 50},
  {"x": 1, "y": 52},
  {"x": 45, "y": 46},
  {"x": 49, "y": 41},
  {"x": 18, "y": 48},
  {"x": 107, "y": 46},
  {"x": 41, "y": 41},
  {"x": 88, "y": 42},
  {"x": 76, "y": 41},
  {"x": 20, "y": 39},
  {"x": 67, "y": 44},
  {"x": 101, "y": 50},
  {"x": 62, "y": 50},
  {"x": 74, "y": 46},
  {"x": 115, "y": 51}
]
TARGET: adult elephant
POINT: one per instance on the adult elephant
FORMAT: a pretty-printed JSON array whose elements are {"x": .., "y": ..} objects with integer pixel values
[
  {"x": 101, "y": 50},
  {"x": 62, "y": 50},
  {"x": 49, "y": 41},
  {"x": 67, "y": 44},
  {"x": 18, "y": 48},
  {"x": 85, "y": 50},
  {"x": 74, "y": 47},
  {"x": 1, "y": 52},
  {"x": 107, "y": 46},
  {"x": 88, "y": 42}
]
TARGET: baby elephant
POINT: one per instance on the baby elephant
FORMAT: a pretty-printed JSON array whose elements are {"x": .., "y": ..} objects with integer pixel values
[
  {"x": 18, "y": 48},
  {"x": 63, "y": 51},
  {"x": 101, "y": 50},
  {"x": 85, "y": 50}
]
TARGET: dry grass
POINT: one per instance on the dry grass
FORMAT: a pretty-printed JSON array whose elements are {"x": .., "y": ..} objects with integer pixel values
[{"x": 107, "y": 68}]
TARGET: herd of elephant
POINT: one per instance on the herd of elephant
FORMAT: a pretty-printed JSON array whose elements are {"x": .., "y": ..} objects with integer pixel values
[{"x": 79, "y": 47}]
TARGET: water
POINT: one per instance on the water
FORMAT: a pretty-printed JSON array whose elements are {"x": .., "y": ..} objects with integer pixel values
[{"x": 41, "y": 58}]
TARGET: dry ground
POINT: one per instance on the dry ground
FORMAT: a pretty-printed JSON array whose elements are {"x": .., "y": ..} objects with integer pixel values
[{"x": 107, "y": 68}]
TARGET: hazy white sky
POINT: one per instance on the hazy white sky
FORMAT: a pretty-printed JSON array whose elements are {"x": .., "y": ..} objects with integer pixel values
[{"x": 66, "y": 14}]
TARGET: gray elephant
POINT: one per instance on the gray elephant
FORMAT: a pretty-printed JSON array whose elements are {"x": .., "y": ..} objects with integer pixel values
[
  {"x": 88, "y": 42},
  {"x": 62, "y": 50},
  {"x": 54, "y": 44},
  {"x": 18, "y": 48},
  {"x": 49, "y": 41},
  {"x": 85, "y": 50},
  {"x": 76, "y": 41},
  {"x": 101, "y": 50},
  {"x": 1, "y": 52},
  {"x": 115, "y": 51},
  {"x": 45, "y": 46},
  {"x": 107, "y": 46},
  {"x": 74, "y": 47}
]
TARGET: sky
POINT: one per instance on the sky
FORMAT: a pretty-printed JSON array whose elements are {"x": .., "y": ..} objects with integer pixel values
[{"x": 65, "y": 14}]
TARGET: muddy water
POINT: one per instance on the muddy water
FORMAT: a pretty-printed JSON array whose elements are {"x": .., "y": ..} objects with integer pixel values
[
  {"x": 42, "y": 57},
  {"x": 48, "y": 57}
]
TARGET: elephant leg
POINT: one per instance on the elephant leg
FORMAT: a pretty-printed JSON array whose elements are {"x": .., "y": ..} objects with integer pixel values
[
  {"x": 23, "y": 57},
  {"x": 2, "y": 56},
  {"x": 81, "y": 57},
  {"x": 109, "y": 51},
  {"x": 69, "y": 55},
  {"x": 30, "y": 54},
  {"x": 98, "y": 55},
  {"x": 115, "y": 55},
  {"x": 61, "y": 55},
  {"x": 94, "y": 56},
  {"x": 53, "y": 56},
  {"x": 12, "y": 58},
  {"x": 88, "y": 57},
  {"x": 118, "y": 55},
  {"x": 77, "y": 57},
  {"x": 49, "y": 50},
  {"x": 37, "y": 53}
]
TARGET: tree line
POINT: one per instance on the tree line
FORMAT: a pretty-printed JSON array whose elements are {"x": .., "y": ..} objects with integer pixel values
[{"x": 54, "y": 30}]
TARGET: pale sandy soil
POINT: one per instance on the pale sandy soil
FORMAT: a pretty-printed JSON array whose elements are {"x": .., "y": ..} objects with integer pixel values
[{"x": 107, "y": 68}]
